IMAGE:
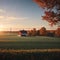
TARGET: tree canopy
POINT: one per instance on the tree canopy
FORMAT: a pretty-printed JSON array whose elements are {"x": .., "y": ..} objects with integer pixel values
[{"x": 52, "y": 10}]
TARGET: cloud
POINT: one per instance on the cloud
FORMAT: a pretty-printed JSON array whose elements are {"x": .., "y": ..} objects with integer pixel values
[
  {"x": 1, "y": 17},
  {"x": 10, "y": 17},
  {"x": 16, "y": 18},
  {"x": 2, "y": 11},
  {"x": 13, "y": 18}
]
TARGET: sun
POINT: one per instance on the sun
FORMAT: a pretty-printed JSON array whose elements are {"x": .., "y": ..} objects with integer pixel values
[{"x": 1, "y": 27}]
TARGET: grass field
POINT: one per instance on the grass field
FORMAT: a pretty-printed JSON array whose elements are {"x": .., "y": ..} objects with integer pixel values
[
  {"x": 13, "y": 41},
  {"x": 13, "y": 47}
]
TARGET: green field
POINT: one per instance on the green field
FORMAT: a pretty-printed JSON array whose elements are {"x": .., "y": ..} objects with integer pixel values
[
  {"x": 13, "y": 41},
  {"x": 29, "y": 48}
]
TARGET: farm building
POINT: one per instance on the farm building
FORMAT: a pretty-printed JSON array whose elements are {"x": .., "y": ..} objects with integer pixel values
[{"x": 23, "y": 33}]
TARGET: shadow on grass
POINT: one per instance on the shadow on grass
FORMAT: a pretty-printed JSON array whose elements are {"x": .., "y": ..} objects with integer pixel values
[{"x": 29, "y": 55}]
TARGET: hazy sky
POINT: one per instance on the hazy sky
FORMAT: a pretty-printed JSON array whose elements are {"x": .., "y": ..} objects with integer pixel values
[{"x": 21, "y": 14}]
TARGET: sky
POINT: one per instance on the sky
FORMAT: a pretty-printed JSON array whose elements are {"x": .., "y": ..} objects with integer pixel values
[{"x": 21, "y": 14}]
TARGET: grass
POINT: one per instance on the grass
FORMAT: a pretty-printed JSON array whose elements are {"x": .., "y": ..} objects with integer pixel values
[
  {"x": 13, "y": 41},
  {"x": 31, "y": 56},
  {"x": 13, "y": 47},
  {"x": 42, "y": 54}
]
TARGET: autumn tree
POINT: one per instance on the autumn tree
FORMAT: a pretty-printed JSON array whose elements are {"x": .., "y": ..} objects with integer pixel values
[
  {"x": 30, "y": 33},
  {"x": 52, "y": 10},
  {"x": 34, "y": 32},
  {"x": 43, "y": 31},
  {"x": 57, "y": 33}
]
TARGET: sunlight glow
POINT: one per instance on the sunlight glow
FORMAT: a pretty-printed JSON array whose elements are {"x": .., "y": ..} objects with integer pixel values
[{"x": 1, "y": 27}]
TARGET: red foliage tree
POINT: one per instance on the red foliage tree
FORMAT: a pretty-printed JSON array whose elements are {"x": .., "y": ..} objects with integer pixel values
[
  {"x": 34, "y": 32},
  {"x": 43, "y": 31},
  {"x": 52, "y": 10},
  {"x": 57, "y": 33}
]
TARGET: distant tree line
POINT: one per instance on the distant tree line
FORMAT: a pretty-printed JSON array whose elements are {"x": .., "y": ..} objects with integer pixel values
[{"x": 44, "y": 32}]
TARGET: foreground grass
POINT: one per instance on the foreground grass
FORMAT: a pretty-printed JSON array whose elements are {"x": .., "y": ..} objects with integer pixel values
[
  {"x": 13, "y": 47},
  {"x": 28, "y": 50},
  {"x": 41, "y": 54}
]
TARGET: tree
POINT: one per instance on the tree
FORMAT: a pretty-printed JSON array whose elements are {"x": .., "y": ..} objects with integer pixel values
[
  {"x": 57, "y": 33},
  {"x": 29, "y": 32},
  {"x": 43, "y": 31},
  {"x": 52, "y": 10},
  {"x": 34, "y": 32}
]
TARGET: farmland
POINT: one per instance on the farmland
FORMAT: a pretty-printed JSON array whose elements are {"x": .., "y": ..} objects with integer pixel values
[
  {"x": 13, "y": 41},
  {"x": 15, "y": 47}
]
